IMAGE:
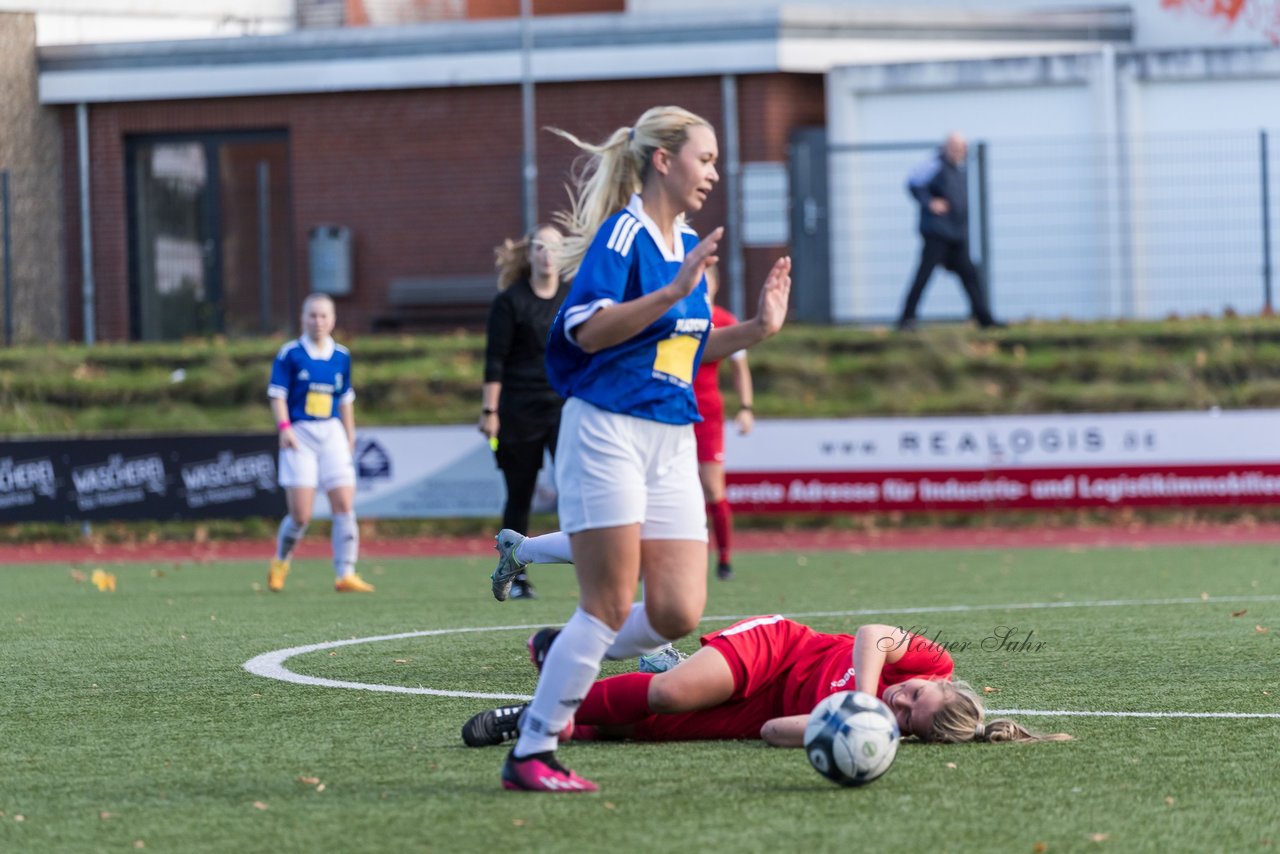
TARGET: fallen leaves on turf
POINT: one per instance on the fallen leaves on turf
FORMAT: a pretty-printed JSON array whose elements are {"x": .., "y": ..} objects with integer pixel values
[
  {"x": 259, "y": 805},
  {"x": 987, "y": 689},
  {"x": 1262, "y": 630},
  {"x": 1039, "y": 848},
  {"x": 1170, "y": 801},
  {"x": 1099, "y": 837},
  {"x": 1240, "y": 613},
  {"x": 104, "y": 581},
  {"x": 309, "y": 781},
  {"x": 951, "y": 764}
]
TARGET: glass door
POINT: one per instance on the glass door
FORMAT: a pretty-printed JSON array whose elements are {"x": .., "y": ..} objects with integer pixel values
[{"x": 210, "y": 229}]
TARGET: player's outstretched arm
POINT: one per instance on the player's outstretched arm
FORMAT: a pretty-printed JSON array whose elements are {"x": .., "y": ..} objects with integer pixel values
[
  {"x": 771, "y": 313},
  {"x": 785, "y": 732}
]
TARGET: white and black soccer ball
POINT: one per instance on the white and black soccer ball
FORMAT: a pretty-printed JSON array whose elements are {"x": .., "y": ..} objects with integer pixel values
[{"x": 851, "y": 738}]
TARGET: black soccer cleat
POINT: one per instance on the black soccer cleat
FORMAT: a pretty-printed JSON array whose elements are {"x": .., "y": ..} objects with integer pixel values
[
  {"x": 540, "y": 644},
  {"x": 724, "y": 571},
  {"x": 494, "y": 726}
]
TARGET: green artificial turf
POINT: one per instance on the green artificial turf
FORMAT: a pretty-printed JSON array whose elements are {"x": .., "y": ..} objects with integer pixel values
[{"x": 127, "y": 718}]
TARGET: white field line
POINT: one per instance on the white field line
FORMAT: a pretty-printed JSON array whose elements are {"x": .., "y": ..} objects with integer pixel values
[{"x": 271, "y": 665}]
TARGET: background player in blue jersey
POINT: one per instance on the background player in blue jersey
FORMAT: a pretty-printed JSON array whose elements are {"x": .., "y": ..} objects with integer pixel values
[
  {"x": 623, "y": 352},
  {"x": 314, "y": 407}
]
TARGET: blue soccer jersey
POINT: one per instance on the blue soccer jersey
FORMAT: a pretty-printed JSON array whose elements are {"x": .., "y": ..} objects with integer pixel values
[
  {"x": 312, "y": 380},
  {"x": 651, "y": 374}
]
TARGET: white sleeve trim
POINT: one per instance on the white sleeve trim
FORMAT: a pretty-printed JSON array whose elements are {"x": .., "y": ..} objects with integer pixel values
[
  {"x": 348, "y": 396},
  {"x": 277, "y": 391},
  {"x": 738, "y": 355},
  {"x": 580, "y": 314}
]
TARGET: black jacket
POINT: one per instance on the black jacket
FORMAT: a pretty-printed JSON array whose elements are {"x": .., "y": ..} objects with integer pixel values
[
  {"x": 939, "y": 178},
  {"x": 515, "y": 355}
]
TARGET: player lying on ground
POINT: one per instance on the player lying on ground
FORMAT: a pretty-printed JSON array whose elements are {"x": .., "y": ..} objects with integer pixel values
[{"x": 761, "y": 677}]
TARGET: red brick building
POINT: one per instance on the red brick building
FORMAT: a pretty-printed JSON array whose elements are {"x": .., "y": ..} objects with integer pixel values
[{"x": 211, "y": 162}]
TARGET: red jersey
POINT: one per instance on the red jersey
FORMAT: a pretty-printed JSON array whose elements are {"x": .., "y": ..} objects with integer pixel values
[
  {"x": 706, "y": 382},
  {"x": 781, "y": 668}
]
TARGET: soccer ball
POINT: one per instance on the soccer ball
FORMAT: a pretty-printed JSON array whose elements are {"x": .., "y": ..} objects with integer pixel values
[{"x": 851, "y": 738}]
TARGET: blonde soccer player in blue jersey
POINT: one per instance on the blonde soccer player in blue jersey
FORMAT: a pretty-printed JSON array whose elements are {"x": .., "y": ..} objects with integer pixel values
[
  {"x": 314, "y": 406},
  {"x": 623, "y": 352}
]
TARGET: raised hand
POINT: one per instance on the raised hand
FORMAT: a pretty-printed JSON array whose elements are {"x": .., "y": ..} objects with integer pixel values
[
  {"x": 696, "y": 263},
  {"x": 774, "y": 296}
]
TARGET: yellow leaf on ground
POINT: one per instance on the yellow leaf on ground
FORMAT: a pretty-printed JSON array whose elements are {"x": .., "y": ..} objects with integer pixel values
[
  {"x": 259, "y": 805},
  {"x": 1099, "y": 837}
]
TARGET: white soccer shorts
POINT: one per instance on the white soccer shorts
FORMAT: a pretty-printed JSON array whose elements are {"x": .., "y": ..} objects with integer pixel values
[
  {"x": 322, "y": 458},
  {"x": 614, "y": 469}
]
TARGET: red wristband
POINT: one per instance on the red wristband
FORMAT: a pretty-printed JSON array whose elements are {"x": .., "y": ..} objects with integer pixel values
[{"x": 283, "y": 425}]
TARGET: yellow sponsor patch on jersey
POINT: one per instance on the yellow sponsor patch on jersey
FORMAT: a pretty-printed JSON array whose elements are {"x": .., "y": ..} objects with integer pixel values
[
  {"x": 675, "y": 357},
  {"x": 319, "y": 404}
]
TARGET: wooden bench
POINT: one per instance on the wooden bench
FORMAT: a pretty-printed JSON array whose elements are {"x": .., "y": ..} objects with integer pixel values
[{"x": 436, "y": 301}]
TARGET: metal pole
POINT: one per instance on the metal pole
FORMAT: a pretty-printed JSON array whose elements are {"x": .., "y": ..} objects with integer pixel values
[
  {"x": 86, "y": 224},
  {"x": 264, "y": 244},
  {"x": 8, "y": 259},
  {"x": 530, "y": 191},
  {"x": 984, "y": 222},
  {"x": 1266, "y": 224},
  {"x": 733, "y": 195}
]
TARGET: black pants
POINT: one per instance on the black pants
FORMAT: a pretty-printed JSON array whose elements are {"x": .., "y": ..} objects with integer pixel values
[
  {"x": 520, "y": 462},
  {"x": 954, "y": 256}
]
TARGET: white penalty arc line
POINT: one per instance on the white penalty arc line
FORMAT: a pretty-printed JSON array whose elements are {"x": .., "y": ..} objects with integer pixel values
[{"x": 271, "y": 665}]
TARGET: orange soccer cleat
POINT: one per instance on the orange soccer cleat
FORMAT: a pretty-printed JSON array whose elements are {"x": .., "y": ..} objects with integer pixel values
[
  {"x": 352, "y": 583},
  {"x": 276, "y": 574}
]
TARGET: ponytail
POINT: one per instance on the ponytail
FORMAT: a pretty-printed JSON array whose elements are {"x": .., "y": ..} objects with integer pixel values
[
  {"x": 608, "y": 175},
  {"x": 962, "y": 719}
]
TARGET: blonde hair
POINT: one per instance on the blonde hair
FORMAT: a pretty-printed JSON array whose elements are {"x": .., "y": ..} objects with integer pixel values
[
  {"x": 316, "y": 296},
  {"x": 512, "y": 257},
  {"x": 962, "y": 719},
  {"x": 612, "y": 171}
]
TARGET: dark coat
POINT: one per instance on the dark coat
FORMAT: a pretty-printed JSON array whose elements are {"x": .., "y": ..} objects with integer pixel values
[{"x": 937, "y": 178}]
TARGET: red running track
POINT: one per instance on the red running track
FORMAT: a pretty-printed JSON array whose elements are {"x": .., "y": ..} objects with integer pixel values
[{"x": 1137, "y": 536}]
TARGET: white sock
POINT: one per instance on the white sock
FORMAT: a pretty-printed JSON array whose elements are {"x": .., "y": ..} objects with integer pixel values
[
  {"x": 346, "y": 543},
  {"x": 567, "y": 674},
  {"x": 636, "y": 637},
  {"x": 287, "y": 539},
  {"x": 548, "y": 548}
]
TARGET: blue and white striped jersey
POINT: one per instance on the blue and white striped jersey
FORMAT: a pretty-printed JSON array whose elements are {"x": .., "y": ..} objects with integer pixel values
[
  {"x": 651, "y": 374},
  {"x": 312, "y": 380}
]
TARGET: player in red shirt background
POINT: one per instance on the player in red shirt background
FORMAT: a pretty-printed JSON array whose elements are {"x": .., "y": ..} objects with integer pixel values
[
  {"x": 761, "y": 677},
  {"x": 710, "y": 431}
]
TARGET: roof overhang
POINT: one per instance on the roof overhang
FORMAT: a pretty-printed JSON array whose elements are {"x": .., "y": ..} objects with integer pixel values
[{"x": 565, "y": 48}]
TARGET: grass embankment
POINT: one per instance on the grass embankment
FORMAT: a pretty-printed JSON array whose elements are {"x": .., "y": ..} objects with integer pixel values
[{"x": 807, "y": 372}]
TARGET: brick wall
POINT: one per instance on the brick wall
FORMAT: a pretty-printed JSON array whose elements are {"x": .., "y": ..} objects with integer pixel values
[
  {"x": 428, "y": 180},
  {"x": 29, "y": 149}
]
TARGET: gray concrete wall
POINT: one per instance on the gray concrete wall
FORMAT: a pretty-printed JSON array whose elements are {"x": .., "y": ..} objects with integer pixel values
[{"x": 30, "y": 150}]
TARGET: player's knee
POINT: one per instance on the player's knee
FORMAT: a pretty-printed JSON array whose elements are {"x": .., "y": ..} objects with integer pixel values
[
  {"x": 674, "y": 624},
  {"x": 666, "y": 696},
  {"x": 301, "y": 519}
]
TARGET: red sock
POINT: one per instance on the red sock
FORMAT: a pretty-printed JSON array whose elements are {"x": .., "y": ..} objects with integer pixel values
[
  {"x": 621, "y": 699},
  {"x": 722, "y": 524}
]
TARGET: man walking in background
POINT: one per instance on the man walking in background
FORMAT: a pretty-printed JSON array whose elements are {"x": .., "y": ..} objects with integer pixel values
[{"x": 940, "y": 185}]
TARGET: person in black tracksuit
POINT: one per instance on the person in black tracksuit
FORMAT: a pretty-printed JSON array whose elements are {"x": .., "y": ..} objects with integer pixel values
[
  {"x": 941, "y": 187},
  {"x": 520, "y": 410}
]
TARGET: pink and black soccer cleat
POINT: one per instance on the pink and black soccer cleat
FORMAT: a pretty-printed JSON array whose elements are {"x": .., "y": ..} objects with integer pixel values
[
  {"x": 540, "y": 772},
  {"x": 540, "y": 644}
]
